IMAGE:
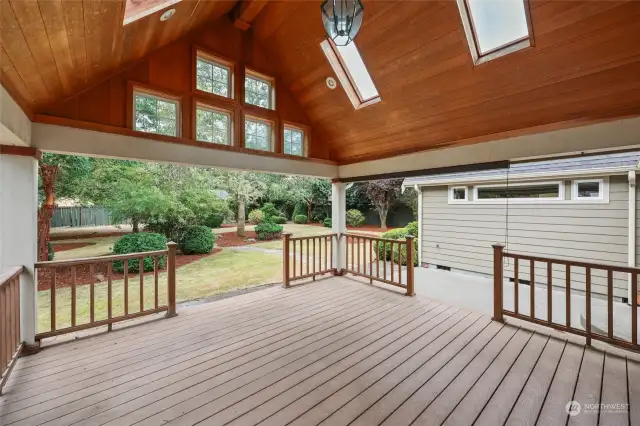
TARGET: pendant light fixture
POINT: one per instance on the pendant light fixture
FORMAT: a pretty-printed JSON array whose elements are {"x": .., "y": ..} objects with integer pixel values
[{"x": 342, "y": 19}]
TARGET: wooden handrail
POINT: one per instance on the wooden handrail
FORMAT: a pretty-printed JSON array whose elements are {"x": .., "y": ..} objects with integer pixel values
[
  {"x": 99, "y": 259},
  {"x": 10, "y": 274},
  {"x": 580, "y": 264}
]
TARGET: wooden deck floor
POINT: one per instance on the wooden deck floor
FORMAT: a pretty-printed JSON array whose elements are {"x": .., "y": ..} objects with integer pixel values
[{"x": 333, "y": 352}]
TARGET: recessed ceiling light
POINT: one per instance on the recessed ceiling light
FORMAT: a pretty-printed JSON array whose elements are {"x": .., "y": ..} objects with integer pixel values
[
  {"x": 168, "y": 14},
  {"x": 331, "y": 83}
]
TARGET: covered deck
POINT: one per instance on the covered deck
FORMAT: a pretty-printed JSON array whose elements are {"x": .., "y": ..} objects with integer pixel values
[{"x": 336, "y": 351}]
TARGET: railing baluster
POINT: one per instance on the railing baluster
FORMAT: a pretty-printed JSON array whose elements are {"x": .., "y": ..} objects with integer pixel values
[
  {"x": 109, "y": 294},
  {"x": 314, "y": 258},
  {"x": 326, "y": 247},
  {"x": 549, "y": 293},
  {"x": 384, "y": 253},
  {"x": 16, "y": 283},
  {"x": 358, "y": 242},
  {"x": 141, "y": 274},
  {"x": 3, "y": 329},
  {"x": 377, "y": 258},
  {"x": 126, "y": 287},
  {"x": 331, "y": 241},
  {"x": 634, "y": 308},
  {"x": 391, "y": 244},
  {"x": 307, "y": 257},
  {"x": 10, "y": 308},
  {"x": 568, "y": 294},
  {"x": 516, "y": 286},
  {"x": 370, "y": 261},
  {"x": 54, "y": 272},
  {"x": 91, "y": 294},
  {"x": 293, "y": 263},
  {"x": 301, "y": 264},
  {"x": 73, "y": 296},
  {"x": 532, "y": 289},
  {"x": 155, "y": 280},
  {"x": 588, "y": 303},
  {"x": 610, "y": 303}
]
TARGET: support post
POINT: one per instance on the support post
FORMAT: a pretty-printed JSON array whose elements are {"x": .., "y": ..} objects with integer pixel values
[
  {"x": 339, "y": 225},
  {"x": 497, "y": 282},
  {"x": 285, "y": 259},
  {"x": 171, "y": 279},
  {"x": 410, "y": 275}
]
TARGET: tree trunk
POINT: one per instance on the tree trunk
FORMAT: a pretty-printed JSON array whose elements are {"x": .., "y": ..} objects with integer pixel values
[
  {"x": 383, "y": 219},
  {"x": 240, "y": 232},
  {"x": 308, "y": 212},
  {"x": 136, "y": 226},
  {"x": 48, "y": 175}
]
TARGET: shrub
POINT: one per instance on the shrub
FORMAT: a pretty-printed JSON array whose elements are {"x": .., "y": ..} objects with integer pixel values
[
  {"x": 281, "y": 220},
  {"x": 214, "y": 220},
  {"x": 269, "y": 210},
  {"x": 397, "y": 234},
  {"x": 50, "y": 251},
  {"x": 355, "y": 218},
  {"x": 300, "y": 219},
  {"x": 412, "y": 228},
  {"x": 256, "y": 216},
  {"x": 327, "y": 222},
  {"x": 136, "y": 243},
  {"x": 197, "y": 240},
  {"x": 268, "y": 230},
  {"x": 300, "y": 209}
]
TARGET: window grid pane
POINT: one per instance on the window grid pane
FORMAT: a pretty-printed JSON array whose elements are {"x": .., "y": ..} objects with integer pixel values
[
  {"x": 153, "y": 115},
  {"x": 212, "y": 126},
  {"x": 528, "y": 191},
  {"x": 588, "y": 189},
  {"x": 212, "y": 78},
  {"x": 257, "y": 135},
  {"x": 257, "y": 92},
  {"x": 293, "y": 142}
]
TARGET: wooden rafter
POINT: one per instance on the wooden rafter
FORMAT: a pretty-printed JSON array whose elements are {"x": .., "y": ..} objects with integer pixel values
[{"x": 245, "y": 12}]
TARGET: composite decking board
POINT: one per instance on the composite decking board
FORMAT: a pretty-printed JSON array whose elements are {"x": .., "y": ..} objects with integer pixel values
[
  {"x": 530, "y": 400},
  {"x": 438, "y": 403},
  {"x": 502, "y": 401},
  {"x": 614, "y": 391},
  {"x": 368, "y": 309},
  {"x": 289, "y": 397},
  {"x": 125, "y": 403},
  {"x": 588, "y": 387},
  {"x": 335, "y": 352},
  {"x": 474, "y": 401},
  {"x": 304, "y": 316},
  {"x": 562, "y": 387},
  {"x": 434, "y": 381}
]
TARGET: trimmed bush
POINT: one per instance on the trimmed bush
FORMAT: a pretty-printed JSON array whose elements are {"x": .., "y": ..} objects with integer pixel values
[
  {"x": 355, "y": 218},
  {"x": 268, "y": 230},
  {"x": 412, "y": 228},
  {"x": 269, "y": 210},
  {"x": 51, "y": 253},
  {"x": 256, "y": 216},
  {"x": 300, "y": 219},
  {"x": 197, "y": 240},
  {"x": 137, "y": 243},
  {"x": 397, "y": 234},
  {"x": 300, "y": 209},
  {"x": 327, "y": 222},
  {"x": 214, "y": 220},
  {"x": 281, "y": 220}
]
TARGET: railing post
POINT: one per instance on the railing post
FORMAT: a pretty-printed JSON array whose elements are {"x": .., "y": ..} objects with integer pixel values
[
  {"x": 171, "y": 279},
  {"x": 410, "y": 270},
  {"x": 285, "y": 259},
  {"x": 497, "y": 282}
]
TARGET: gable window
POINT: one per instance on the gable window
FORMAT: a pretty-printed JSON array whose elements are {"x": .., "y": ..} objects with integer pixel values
[
  {"x": 352, "y": 73},
  {"x": 214, "y": 76},
  {"x": 257, "y": 134},
  {"x": 258, "y": 90},
  {"x": 213, "y": 125},
  {"x": 155, "y": 114},
  {"x": 495, "y": 27},
  {"x": 294, "y": 141},
  {"x": 588, "y": 190},
  {"x": 457, "y": 194}
]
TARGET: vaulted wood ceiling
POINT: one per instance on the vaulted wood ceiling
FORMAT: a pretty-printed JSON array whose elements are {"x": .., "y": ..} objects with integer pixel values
[{"x": 583, "y": 67}]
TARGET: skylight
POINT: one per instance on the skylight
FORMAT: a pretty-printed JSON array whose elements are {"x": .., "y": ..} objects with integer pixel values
[
  {"x": 352, "y": 73},
  {"x": 495, "y": 27},
  {"x": 137, "y": 9}
]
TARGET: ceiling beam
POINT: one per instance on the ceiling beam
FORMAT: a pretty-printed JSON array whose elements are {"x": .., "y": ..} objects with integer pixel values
[{"x": 245, "y": 12}]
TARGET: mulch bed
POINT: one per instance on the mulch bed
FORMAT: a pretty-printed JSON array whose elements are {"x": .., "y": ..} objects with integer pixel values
[
  {"x": 369, "y": 228},
  {"x": 57, "y": 248},
  {"x": 84, "y": 276},
  {"x": 230, "y": 239}
]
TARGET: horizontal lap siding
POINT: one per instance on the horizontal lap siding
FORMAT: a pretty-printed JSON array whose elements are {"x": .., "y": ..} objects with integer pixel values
[{"x": 460, "y": 236}]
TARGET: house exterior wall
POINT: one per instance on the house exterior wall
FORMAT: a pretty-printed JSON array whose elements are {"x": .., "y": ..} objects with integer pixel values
[{"x": 460, "y": 235}]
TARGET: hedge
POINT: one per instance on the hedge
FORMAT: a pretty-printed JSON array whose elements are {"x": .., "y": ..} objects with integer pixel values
[
  {"x": 269, "y": 210},
  {"x": 300, "y": 209},
  {"x": 397, "y": 234},
  {"x": 197, "y": 240},
  {"x": 214, "y": 220},
  {"x": 279, "y": 220},
  {"x": 327, "y": 222},
  {"x": 300, "y": 219},
  {"x": 268, "y": 231},
  {"x": 137, "y": 243},
  {"x": 355, "y": 218},
  {"x": 256, "y": 216}
]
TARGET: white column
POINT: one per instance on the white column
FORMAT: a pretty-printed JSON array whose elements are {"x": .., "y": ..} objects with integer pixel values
[
  {"x": 18, "y": 232},
  {"x": 632, "y": 232},
  {"x": 339, "y": 223}
]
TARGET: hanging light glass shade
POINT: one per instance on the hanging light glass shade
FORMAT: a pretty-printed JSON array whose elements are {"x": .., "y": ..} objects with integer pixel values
[{"x": 342, "y": 19}]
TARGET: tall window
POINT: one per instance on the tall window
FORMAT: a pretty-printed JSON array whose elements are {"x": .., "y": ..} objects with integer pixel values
[
  {"x": 257, "y": 134},
  {"x": 155, "y": 114},
  {"x": 495, "y": 27},
  {"x": 293, "y": 141},
  {"x": 213, "y": 76},
  {"x": 352, "y": 73},
  {"x": 258, "y": 90},
  {"x": 213, "y": 125}
]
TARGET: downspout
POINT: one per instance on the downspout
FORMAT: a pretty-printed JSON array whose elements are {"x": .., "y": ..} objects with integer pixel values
[
  {"x": 632, "y": 231},
  {"x": 419, "y": 236}
]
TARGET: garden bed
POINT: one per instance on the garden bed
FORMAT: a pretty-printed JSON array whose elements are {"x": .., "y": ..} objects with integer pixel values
[{"x": 230, "y": 239}]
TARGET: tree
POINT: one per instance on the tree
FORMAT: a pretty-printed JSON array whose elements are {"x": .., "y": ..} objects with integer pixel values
[
  {"x": 410, "y": 198},
  {"x": 309, "y": 191},
  {"x": 382, "y": 194},
  {"x": 243, "y": 188}
]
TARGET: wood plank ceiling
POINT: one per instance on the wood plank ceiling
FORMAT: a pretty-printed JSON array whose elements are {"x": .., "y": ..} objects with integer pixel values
[
  {"x": 52, "y": 49},
  {"x": 584, "y": 66}
]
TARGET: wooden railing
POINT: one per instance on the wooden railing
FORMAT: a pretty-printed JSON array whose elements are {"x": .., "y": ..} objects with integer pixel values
[
  {"x": 570, "y": 267},
  {"x": 93, "y": 263},
  {"x": 367, "y": 257},
  {"x": 10, "y": 344},
  {"x": 307, "y": 257}
]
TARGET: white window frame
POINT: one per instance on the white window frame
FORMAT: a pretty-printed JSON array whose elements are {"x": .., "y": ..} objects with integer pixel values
[
  {"x": 304, "y": 140},
  {"x": 149, "y": 94},
  {"x": 271, "y": 136},
  {"x": 558, "y": 199},
  {"x": 604, "y": 191},
  {"x": 264, "y": 79},
  {"x": 229, "y": 115},
  {"x": 201, "y": 56},
  {"x": 452, "y": 200}
]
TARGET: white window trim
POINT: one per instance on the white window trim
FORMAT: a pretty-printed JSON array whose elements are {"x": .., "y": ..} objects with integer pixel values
[
  {"x": 558, "y": 199},
  {"x": 200, "y": 56},
  {"x": 452, "y": 200},
  {"x": 271, "y": 135},
  {"x": 217, "y": 111},
  {"x": 148, "y": 94},
  {"x": 604, "y": 191},
  {"x": 304, "y": 140}
]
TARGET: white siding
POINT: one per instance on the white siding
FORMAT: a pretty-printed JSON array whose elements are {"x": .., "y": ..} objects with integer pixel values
[{"x": 460, "y": 235}]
